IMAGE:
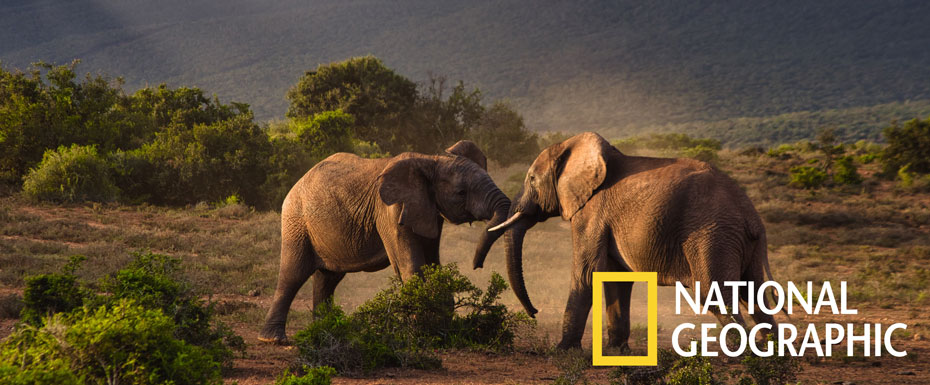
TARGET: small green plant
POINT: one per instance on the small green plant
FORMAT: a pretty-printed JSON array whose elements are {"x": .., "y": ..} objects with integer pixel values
[
  {"x": 118, "y": 343},
  {"x": 572, "y": 365},
  {"x": 702, "y": 153},
  {"x": 770, "y": 370},
  {"x": 320, "y": 375},
  {"x": 71, "y": 174},
  {"x": 807, "y": 177},
  {"x": 909, "y": 181},
  {"x": 696, "y": 370},
  {"x": 845, "y": 171},
  {"x": 645, "y": 375},
  {"x": 53, "y": 293}
]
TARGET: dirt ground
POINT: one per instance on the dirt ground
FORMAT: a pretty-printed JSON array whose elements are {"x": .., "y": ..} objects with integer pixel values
[{"x": 265, "y": 361}]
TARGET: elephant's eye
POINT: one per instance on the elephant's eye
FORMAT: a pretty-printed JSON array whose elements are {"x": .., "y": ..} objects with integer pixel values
[{"x": 460, "y": 193}]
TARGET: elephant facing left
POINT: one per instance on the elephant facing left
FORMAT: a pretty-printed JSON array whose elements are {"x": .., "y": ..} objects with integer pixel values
[{"x": 351, "y": 214}]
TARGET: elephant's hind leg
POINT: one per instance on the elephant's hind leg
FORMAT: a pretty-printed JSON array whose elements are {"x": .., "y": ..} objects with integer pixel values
[
  {"x": 324, "y": 285},
  {"x": 298, "y": 262}
]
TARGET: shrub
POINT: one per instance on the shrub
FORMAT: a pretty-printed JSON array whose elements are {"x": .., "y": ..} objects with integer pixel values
[
  {"x": 908, "y": 145},
  {"x": 342, "y": 342},
  {"x": 845, "y": 171},
  {"x": 696, "y": 370},
  {"x": 53, "y": 293},
  {"x": 442, "y": 305},
  {"x": 71, "y": 174},
  {"x": 665, "y": 142},
  {"x": 680, "y": 145},
  {"x": 151, "y": 281},
  {"x": 321, "y": 375},
  {"x": 118, "y": 343},
  {"x": 404, "y": 324},
  {"x": 773, "y": 370},
  {"x": 645, "y": 375},
  {"x": 912, "y": 182},
  {"x": 807, "y": 177},
  {"x": 702, "y": 153},
  {"x": 207, "y": 162}
]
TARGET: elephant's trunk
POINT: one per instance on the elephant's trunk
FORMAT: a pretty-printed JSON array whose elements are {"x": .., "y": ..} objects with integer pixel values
[
  {"x": 514, "y": 244},
  {"x": 501, "y": 206}
]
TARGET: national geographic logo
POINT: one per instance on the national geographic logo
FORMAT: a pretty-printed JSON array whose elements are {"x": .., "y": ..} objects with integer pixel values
[{"x": 651, "y": 357}]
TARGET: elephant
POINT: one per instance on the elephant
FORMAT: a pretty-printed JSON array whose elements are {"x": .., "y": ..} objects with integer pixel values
[
  {"x": 350, "y": 214},
  {"x": 682, "y": 218}
]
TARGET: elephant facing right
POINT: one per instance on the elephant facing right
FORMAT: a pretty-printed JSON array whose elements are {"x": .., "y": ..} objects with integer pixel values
[{"x": 682, "y": 218}]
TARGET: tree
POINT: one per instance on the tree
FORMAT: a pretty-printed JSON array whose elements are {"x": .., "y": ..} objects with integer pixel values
[
  {"x": 443, "y": 120},
  {"x": 503, "y": 136},
  {"x": 47, "y": 108},
  {"x": 379, "y": 99},
  {"x": 908, "y": 146}
]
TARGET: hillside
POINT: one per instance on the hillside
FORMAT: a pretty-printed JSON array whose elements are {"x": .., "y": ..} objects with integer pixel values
[{"x": 619, "y": 67}]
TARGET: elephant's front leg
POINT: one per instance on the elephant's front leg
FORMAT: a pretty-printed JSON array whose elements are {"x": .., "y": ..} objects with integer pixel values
[
  {"x": 586, "y": 253},
  {"x": 408, "y": 252},
  {"x": 576, "y": 313}
]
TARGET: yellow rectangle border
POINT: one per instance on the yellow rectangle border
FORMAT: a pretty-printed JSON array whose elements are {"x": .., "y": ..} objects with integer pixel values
[{"x": 597, "y": 350}]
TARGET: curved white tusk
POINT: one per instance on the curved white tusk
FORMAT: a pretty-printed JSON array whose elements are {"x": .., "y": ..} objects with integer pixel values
[{"x": 506, "y": 223}]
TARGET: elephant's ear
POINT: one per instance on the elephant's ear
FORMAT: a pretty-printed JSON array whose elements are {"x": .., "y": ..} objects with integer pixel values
[
  {"x": 470, "y": 150},
  {"x": 405, "y": 182},
  {"x": 582, "y": 169}
]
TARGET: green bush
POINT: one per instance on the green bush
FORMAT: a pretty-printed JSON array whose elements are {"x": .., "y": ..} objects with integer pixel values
[
  {"x": 665, "y": 142},
  {"x": 807, "y": 177},
  {"x": 47, "y": 294},
  {"x": 845, "y": 171},
  {"x": 908, "y": 145},
  {"x": 912, "y": 182},
  {"x": 771, "y": 370},
  {"x": 696, "y": 370},
  {"x": 702, "y": 153},
  {"x": 680, "y": 145},
  {"x": 152, "y": 281},
  {"x": 336, "y": 340},
  {"x": 71, "y": 174},
  {"x": 207, "y": 162},
  {"x": 404, "y": 324},
  {"x": 321, "y": 375},
  {"x": 118, "y": 343}
]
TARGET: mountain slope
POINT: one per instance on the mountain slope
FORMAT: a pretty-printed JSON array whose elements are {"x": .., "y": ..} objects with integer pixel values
[{"x": 615, "y": 66}]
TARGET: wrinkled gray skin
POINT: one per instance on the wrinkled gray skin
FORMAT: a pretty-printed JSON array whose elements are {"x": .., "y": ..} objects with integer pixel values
[
  {"x": 351, "y": 214},
  {"x": 682, "y": 218}
]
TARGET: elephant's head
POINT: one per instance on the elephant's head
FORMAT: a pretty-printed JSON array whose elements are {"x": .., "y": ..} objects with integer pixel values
[
  {"x": 455, "y": 186},
  {"x": 561, "y": 180}
]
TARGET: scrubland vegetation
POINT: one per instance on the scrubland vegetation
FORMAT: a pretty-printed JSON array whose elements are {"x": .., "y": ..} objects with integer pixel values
[
  {"x": 90, "y": 170},
  {"x": 66, "y": 139}
]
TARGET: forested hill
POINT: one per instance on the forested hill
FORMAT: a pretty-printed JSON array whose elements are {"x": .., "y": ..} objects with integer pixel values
[{"x": 614, "y": 66}]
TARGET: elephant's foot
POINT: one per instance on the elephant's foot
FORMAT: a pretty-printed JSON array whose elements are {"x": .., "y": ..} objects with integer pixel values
[
  {"x": 567, "y": 344},
  {"x": 622, "y": 347},
  {"x": 273, "y": 334}
]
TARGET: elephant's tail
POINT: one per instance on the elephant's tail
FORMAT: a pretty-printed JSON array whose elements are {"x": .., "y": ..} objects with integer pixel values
[{"x": 762, "y": 257}]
